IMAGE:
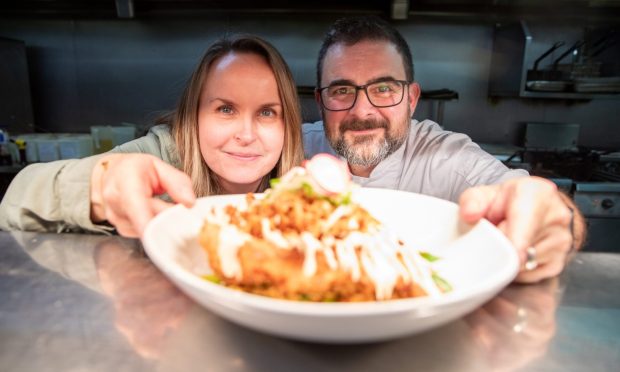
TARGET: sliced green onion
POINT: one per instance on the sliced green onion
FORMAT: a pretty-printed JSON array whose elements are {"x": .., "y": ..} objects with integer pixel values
[
  {"x": 212, "y": 278},
  {"x": 273, "y": 182},
  {"x": 307, "y": 189},
  {"x": 443, "y": 285},
  {"x": 429, "y": 257}
]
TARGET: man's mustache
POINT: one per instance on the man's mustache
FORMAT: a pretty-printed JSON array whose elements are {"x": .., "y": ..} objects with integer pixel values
[{"x": 362, "y": 125}]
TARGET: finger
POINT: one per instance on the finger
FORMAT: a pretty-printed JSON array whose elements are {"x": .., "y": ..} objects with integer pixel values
[
  {"x": 138, "y": 207},
  {"x": 126, "y": 215},
  {"x": 555, "y": 240},
  {"x": 155, "y": 206},
  {"x": 543, "y": 271},
  {"x": 529, "y": 202},
  {"x": 127, "y": 230},
  {"x": 176, "y": 183},
  {"x": 551, "y": 257},
  {"x": 476, "y": 201},
  {"x": 158, "y": 206}
]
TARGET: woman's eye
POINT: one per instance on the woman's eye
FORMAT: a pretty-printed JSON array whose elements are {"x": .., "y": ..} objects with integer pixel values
[
  {"x": 268, "y": 112},
  {"x": 226, "y": 109}
]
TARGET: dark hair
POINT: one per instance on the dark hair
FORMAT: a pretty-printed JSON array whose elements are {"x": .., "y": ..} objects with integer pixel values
[{"x": 352, "y": 30}]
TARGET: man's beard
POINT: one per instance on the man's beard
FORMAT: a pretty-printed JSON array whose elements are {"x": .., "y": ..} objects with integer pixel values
[{"x": 366, "y": 151}]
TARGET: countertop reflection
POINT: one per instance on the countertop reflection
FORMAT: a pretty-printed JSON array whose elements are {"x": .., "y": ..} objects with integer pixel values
[{"x": 86, "y": 302}]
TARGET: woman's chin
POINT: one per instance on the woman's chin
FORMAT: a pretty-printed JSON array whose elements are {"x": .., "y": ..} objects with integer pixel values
[{"x": 241, "y": 184}]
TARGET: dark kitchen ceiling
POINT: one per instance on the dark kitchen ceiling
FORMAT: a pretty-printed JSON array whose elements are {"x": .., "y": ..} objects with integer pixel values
[{"x": 396, "y": 9}]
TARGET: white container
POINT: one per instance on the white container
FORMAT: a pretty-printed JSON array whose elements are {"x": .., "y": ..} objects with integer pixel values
[
  {"x": 32, "y": 146},
  {"x": 106, "y": 137},
  {"x": 122, "y": 134},
  {"x": 47, "y": 149},
  {"x": 102, "y": 138},
  {"x": 75, "y": 146}
]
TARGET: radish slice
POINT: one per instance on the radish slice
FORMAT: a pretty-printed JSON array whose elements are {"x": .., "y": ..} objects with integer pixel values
[{"x": 331, "y": 174}]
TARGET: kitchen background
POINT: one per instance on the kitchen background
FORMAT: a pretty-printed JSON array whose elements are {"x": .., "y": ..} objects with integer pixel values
[{"x": 78, "y": 64}]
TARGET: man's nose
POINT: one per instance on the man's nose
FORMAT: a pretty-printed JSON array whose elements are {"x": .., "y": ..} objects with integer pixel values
[{"x": 362, "y": 107}]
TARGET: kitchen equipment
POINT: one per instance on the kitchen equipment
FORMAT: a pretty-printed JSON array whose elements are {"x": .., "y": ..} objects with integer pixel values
[
  {"x": 551, "y": 136},
  {"x": 593, "y": 178},
  {"x": 609, "y": 85},
  {"x": 600, "y": 204},
  {"x": 574, "y": 49},
  {"x": 547, "y": 85},
  {"x": 546, "y": 80},
  {"x": 542, "y": 75}
]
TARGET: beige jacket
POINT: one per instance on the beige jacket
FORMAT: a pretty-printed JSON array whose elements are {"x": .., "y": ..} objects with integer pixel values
[{"x": 55, "y": 197}]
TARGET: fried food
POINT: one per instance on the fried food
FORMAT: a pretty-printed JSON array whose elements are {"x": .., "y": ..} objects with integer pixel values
[{"x": 303, "y": 240}]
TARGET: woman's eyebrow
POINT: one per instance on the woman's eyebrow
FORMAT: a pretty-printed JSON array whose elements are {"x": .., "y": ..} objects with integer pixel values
[
  {"x": 271, "y": 104},
  {"x": 220, "y": 99},
  {"x": 229, "y": 102}
]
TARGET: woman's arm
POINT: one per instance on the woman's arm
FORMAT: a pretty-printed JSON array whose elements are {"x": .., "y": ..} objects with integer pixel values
[{"x": 51, "y": 197}]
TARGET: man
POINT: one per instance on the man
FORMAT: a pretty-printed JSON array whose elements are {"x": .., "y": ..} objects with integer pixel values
[{"x": 367, "y": 95}]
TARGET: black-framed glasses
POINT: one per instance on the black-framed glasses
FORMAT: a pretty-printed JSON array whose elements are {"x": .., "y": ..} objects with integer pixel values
[{"x": 341, "y": 97}]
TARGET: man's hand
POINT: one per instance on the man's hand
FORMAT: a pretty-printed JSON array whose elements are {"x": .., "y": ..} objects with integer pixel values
[
  {"x": 124, "y": 186},
  {"x": 531, "y": 212}
]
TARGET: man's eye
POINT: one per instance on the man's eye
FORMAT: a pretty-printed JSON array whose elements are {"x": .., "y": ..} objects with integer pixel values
[
  {"x": 383, "y": 88},
  {"x": 341, "y": 91}
]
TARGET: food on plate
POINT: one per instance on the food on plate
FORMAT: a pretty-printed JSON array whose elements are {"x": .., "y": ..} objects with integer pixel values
[{"x": 306, "y": 239}]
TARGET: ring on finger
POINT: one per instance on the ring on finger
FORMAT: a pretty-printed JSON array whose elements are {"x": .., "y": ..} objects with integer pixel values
[{"x": 530, "y": 262}]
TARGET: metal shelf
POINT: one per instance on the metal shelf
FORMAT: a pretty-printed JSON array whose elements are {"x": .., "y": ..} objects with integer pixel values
[{"x": 510, "y": 61}]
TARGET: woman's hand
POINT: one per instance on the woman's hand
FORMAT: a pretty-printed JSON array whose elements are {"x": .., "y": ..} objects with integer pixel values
[{"x": 124, "y": 188}]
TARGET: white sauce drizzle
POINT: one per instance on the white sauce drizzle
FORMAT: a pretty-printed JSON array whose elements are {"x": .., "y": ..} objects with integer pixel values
[
  {"x": 311, "y": 245},
  {"x": 273, "y": 236},
  {"x": 348, "y": 259},
  {"x": 230, "y": 240},
  {"x": 336, "y": 215},
  {"x": 381, "y": 256}
]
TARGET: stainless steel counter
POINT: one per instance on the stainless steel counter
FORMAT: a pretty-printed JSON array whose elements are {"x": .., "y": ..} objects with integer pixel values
[{"x": 95, "y": 303}]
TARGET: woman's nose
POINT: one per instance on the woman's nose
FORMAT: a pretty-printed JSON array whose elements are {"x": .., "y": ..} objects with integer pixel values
[{"x": 246, "y": 132}]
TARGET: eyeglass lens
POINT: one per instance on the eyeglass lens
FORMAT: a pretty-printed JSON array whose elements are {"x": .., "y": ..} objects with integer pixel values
[{"x": 381, "y": 94}]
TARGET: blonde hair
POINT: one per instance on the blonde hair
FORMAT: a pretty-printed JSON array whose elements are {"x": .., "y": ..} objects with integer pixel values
[{"x": 184, "y": 121}]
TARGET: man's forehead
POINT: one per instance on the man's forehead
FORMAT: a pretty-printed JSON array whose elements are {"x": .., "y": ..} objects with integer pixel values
[{"x": 363, "y": 61}]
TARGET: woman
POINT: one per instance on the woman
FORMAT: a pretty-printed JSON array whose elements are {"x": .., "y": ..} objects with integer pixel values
[{"x": 236, "y": 126}]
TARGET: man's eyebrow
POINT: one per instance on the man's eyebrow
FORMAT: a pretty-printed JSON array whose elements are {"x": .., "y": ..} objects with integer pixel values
[
  {"x": 371, "y": 81},
  {"x": 380, "y": 79},
  {"x": 340, "y": 82}
]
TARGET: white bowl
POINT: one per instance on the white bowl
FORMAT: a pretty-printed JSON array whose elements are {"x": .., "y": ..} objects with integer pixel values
[{"x": 478, "y": 261}]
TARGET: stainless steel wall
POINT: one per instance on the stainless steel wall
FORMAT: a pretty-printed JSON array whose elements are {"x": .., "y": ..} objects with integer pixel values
[{"x": 93, "y": 72}]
